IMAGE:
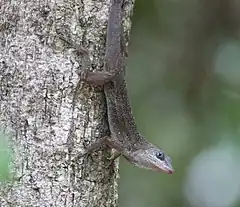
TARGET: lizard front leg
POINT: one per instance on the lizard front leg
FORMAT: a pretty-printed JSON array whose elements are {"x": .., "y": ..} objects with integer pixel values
[
  {"x": 98, "y": 144},
  {"x": 92, "y": 147}
]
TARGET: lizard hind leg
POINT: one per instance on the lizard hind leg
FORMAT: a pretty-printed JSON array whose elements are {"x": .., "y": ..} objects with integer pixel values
[{"x": 96, "y": 78}]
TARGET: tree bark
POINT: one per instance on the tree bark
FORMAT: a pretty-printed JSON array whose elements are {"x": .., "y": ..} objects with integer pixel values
[{"x": 49, "y": 116}]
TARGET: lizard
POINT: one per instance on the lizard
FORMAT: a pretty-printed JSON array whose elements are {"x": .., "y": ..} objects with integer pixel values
[{"x": 124, "y": 137}]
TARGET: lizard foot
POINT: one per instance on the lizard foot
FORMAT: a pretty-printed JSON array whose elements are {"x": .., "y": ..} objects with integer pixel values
[{"x": 113, "y": 157}]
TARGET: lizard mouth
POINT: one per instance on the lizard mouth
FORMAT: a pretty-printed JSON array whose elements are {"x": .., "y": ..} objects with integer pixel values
[{"x": 168, "y": 171}]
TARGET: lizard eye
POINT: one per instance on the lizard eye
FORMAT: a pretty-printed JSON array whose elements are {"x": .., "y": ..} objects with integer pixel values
[{"x": 160, "y": 155}]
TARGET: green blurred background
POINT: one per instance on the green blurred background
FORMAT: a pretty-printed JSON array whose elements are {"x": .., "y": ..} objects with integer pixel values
[
  {"x": 5, "y": 156},
  {"x": 184, "y": 83}
]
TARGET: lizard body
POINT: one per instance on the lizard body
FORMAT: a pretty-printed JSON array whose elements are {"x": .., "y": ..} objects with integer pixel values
[{"x": 124, "y": 135}]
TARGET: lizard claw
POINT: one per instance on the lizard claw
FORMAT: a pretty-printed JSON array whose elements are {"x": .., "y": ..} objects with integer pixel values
[{"x": 111, "y": 157}]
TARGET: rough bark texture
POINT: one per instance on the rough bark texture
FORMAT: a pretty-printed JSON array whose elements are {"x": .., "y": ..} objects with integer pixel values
[{"x": 49, "y": 119}]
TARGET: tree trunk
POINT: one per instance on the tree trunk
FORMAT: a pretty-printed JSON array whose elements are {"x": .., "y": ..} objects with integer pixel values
[{"x": 49, "y": 115}]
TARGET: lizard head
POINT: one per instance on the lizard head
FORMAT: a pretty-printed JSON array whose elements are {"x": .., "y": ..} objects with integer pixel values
[{"x": 152, "y": 158}]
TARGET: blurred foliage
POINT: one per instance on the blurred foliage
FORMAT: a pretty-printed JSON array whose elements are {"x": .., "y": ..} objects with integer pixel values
[
  {"x": 184, "y": 83},
  {"x": 4, "y": 157}
]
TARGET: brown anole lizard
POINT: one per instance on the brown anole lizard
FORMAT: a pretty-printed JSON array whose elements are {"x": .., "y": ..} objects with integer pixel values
[{"x": 124, "y": 137}]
